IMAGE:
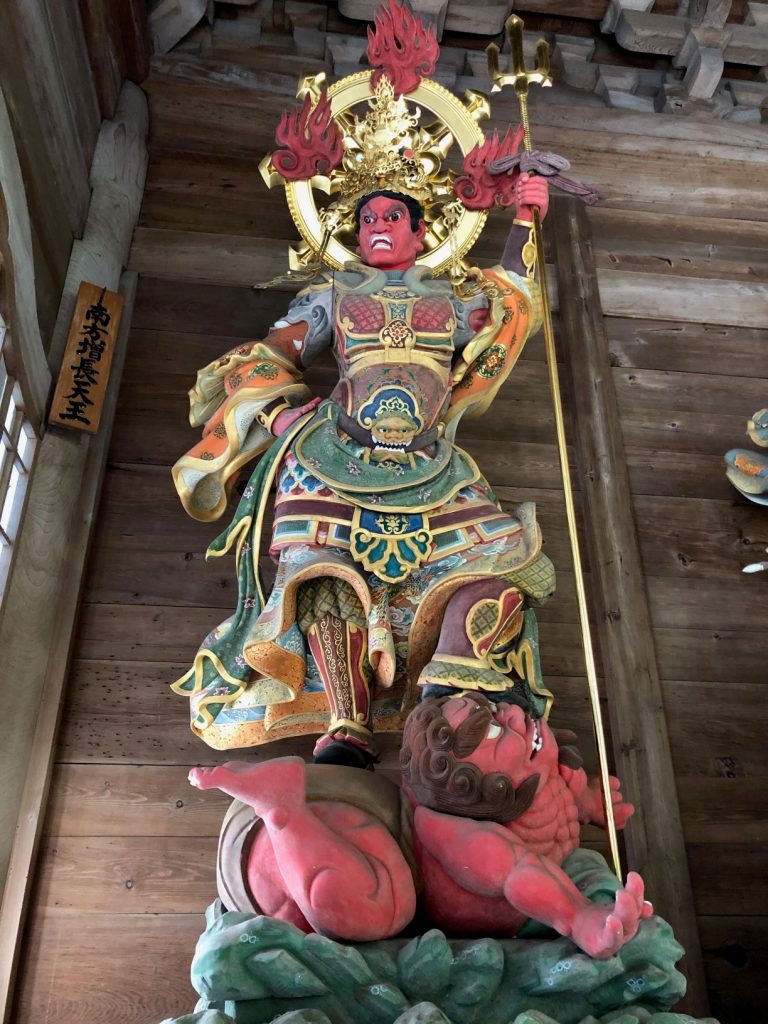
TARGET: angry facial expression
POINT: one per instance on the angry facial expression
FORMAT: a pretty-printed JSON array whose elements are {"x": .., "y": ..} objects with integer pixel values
[
  {"x": 514, "y": 743},
  {"x": 386, "y": 239}
]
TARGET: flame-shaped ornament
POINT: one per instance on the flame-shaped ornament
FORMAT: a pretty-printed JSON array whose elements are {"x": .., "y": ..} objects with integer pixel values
[
  {"x": 477, "y": 188},
  {"x": 401, "y": 47},
  {"x": 311, "y": 139}
]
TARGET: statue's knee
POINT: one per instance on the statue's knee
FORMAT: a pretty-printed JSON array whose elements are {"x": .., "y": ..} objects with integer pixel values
[
  {"x": 381, "y": 913},
  {"x": 477, "y": 615},
  {"x": 328, "y": 595}
]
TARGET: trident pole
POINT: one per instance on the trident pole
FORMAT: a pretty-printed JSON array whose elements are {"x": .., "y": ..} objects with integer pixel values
[{"x": 520, "y": 78}]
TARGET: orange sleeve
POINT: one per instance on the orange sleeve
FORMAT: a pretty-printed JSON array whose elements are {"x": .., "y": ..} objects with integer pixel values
[{"x": 488, "y": 359}]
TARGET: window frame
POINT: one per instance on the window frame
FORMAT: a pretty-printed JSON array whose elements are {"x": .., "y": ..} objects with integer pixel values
[{"x": 19, "y": 443}]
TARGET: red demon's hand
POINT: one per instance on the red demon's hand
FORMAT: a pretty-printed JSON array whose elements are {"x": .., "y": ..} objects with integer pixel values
[
  {"x": 601, "y": 929},
  {"x": 593, "y": 797}
]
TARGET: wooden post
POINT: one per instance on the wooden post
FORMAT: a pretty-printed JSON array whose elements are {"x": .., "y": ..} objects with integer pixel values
[
  {"x": 41, "y": 600},
  {"x": 117, "y": 178},
  {"x": 105, "y": 52},
  {"x": 47, "y": 47},
  {"x": 18, "y": 268},
  {"x": 133, "y": 21},
  {"x": 654, "y": 837}
]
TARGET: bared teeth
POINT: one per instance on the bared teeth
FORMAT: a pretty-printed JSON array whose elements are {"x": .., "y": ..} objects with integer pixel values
[{"x": 537, "y": 742}]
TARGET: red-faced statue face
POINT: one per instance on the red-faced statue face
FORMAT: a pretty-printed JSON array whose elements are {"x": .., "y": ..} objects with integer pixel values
[
  {"x": 385, "y": 238},
  {"x": 514, "y": 743}
]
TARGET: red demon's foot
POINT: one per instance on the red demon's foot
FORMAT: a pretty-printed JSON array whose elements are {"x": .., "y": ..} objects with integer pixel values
[
  {"x": 265, "y": 786},
  {"x": 601, "y": 930}
]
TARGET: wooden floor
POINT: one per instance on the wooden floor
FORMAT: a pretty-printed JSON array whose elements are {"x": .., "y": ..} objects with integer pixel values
[{"x": 127, "y": 865}]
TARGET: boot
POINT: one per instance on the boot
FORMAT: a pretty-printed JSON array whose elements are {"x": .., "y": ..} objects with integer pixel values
[{"x": 340, "y": 650}]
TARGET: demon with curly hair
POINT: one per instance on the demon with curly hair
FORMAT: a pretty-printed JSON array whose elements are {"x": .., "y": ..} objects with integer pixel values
[{"x": 490, "y": 806}]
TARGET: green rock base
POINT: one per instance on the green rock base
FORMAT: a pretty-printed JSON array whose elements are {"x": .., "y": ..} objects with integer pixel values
[
  {"x": 251, "y": 969},
  {"x": 428, "y": 1013}
]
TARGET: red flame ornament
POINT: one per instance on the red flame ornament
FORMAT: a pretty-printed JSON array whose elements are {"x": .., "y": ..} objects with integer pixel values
[
  {"x": 477, "y": 188},
  {"x": 401, "y": 47},
  {"x": 311, "y": 139}
]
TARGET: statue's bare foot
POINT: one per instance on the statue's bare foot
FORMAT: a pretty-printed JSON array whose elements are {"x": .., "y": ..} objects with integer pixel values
[
  {"x": 266, "y": 785},
  {"x": 601, "y": 930},
  {"x": 206, "y": 778}
]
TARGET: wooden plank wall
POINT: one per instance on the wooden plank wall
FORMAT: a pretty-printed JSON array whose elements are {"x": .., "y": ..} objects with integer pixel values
[
  {"x": 49, "y": 93},
  {"x": 128, "y": 861},
  {"x": 687, "y": 375},
  {"x": 61, "y": 67}
]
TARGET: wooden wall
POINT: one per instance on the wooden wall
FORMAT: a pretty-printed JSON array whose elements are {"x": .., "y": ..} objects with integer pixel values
[
  {"x": 61, "y": 68},
  {"x": 52, "y": 120},
  {"x": 690, "y": 357},
  {"x": 128, "y": 861}
]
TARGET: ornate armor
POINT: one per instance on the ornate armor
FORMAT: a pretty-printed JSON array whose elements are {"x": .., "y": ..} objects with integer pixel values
[{"x": 380, "y": 519}]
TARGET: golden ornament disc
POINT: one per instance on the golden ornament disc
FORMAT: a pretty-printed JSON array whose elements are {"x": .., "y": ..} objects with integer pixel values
[{"x": 448, "y": 238}]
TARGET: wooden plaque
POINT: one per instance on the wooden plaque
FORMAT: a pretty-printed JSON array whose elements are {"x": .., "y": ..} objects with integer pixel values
[{"x": 82, "y": 385}]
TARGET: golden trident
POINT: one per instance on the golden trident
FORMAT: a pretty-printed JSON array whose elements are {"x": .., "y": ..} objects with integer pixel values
[{"x": 520, "y": 78}]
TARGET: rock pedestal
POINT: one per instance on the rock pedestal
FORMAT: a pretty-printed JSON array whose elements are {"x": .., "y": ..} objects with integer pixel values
[{"x": 252, "y": 969}]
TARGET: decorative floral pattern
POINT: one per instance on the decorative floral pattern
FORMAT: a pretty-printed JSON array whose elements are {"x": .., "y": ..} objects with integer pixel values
[
  {"x": 490, "y": 363},
  {"x": 267, "y": 370}
]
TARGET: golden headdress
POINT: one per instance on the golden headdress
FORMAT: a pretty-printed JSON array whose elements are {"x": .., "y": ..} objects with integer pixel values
[{"x": 387, "y": 128}]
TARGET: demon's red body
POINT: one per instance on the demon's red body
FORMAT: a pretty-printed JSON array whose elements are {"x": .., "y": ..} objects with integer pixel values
[
  {"x": 332, "y": 867},
  {"x": 549, "y": 829}
]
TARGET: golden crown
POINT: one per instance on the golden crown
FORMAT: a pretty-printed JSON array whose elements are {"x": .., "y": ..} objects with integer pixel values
[
  {"x": 387, "y": 128},
  {"x": 386, "y": 150}
]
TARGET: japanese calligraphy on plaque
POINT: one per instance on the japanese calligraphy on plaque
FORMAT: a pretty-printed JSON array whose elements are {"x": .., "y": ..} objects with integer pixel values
[{"x": 82, "y": 384}]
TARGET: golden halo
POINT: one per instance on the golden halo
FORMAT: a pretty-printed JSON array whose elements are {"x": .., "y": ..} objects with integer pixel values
[{"x": 445, "y": 244}]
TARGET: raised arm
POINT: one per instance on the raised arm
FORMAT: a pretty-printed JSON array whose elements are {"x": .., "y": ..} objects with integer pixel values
[
  {"x": 530, "y": 191},
  {"x": 492, "y": 328}
]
